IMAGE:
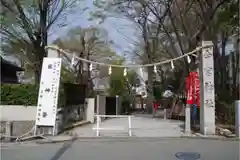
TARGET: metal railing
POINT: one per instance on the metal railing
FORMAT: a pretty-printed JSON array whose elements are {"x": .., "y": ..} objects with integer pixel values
[{"x": 113, "y": 128}]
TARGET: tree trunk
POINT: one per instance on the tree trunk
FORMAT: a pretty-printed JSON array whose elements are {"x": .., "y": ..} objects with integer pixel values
[
  {"x": 79, "y": 77},
  {"x": 233, "y": 62},
  {"x": 150, "y": 90},
  {"x": 237, "y": 85},
  {"x": 37, "y": 76},
  {"x": 131, "y": 94},
  {"x": 223, "y": 63},
  {"x": 41, "y": 41},
  {"x": 89, "y": 79},
  {"x": 40, "y": 54}
]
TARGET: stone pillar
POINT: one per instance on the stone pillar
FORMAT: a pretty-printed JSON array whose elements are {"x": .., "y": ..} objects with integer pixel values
[
  {"x": 101, "y": 105},
  {"x": 207, "y": 90},
  {"x": 98, "y": 104},
  {"x": 237, "y": 118},
  {"x": 53, "y": 53},
  {"x": 8, "y": 130},
  {"x": 90, "y": 110}
]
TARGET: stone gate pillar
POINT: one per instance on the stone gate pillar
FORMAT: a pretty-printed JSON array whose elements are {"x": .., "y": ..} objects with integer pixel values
[
  {"x": 207, "y": 90},
  {"x": 53, "y": 53}
]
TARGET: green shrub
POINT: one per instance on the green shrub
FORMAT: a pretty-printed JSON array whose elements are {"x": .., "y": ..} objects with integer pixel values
[
  {"x": 23, "y": 94},
  {"x": 19, "y": 94}
]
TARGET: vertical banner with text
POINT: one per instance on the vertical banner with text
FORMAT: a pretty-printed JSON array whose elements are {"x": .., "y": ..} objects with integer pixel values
[
  {"x": 48, "y": 92},
  {"x": 193, "y": 89}
]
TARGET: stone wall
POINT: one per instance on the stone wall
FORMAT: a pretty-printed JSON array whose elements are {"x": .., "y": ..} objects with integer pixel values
[
  {"x": 20, "y": 119},
  {"x": 17, "y": 113},
  {"x": 21, "y": 127},
  {"x": 18, "y": 128}
]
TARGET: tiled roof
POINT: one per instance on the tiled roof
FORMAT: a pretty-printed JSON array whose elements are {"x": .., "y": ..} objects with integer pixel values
[{"x": 8, "y": 65}]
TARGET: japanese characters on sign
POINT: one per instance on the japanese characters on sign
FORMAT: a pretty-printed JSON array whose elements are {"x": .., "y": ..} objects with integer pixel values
[
  {"x": 208, "y": 98},
  {"x": 48, "y": 92}
]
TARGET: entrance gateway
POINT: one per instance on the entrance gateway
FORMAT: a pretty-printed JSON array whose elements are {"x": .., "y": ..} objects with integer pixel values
[{"x": 48, "y": 92}]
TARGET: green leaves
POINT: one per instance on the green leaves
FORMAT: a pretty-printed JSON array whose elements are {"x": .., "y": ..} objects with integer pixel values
[
  {"x": 228, "y": 16},
  {"x": 66, "y": 75},
  {"x": 16, "y": 94},
  {"x": 120, "y": 84},
  {"x": 23, "y": 94}
]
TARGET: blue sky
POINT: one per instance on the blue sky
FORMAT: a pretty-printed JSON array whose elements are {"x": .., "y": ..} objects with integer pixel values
[{"x": 120, "y": 31}]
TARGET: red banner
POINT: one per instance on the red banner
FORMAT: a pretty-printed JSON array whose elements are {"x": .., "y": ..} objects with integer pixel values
[
  {"x": 193, "y": 89},
  {"x": 197, "y": 89},
  {"x": 189, "y": 90}
]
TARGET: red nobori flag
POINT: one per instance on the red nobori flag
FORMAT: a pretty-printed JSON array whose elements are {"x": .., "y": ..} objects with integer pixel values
[
  {"x": 196, "y": 88},
  {"x": 189, "y": 89}
]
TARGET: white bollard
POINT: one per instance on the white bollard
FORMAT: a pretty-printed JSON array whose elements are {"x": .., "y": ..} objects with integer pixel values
[
  {"x": 129, "y": 126},
  {"x": 165, "y": 113},
  {"x": 237, "y": 118},
  {"x": 117, "y": 104},
  {"x": 187, "y": 120},
  {"x": 98, "y": 131}
]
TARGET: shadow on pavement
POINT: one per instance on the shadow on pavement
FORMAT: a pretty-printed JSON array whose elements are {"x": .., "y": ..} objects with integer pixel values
[
  {"x": 63, "y": 149},
  {"x": 182, "y": 126}
]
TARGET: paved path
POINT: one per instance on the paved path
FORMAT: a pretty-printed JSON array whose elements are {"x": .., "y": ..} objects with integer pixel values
[
  {"x": 128, "y": 149},
  {"x": 142, "y": 126}
]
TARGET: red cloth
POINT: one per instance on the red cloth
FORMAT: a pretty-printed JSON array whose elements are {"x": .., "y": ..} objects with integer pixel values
[
  {"x": 189, "y": 89},
  {"x": 193, "y": 88},
  {"x": 155, "y": 105},
  {"x": 197, "y": 89}
]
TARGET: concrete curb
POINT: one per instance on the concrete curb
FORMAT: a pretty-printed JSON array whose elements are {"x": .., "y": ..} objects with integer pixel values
[
  {"x": 212, "y": 138},
  {"x": 48, "y": 141},
  {"x": 51, "y": 141},
  {"x": 81, "y": 123}
]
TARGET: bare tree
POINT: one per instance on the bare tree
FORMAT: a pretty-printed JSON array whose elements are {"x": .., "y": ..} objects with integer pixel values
[
  {"x": 150, "y": 28},
  {"x": 27, "y": 23},
  {"x": 91, "y": 44}
]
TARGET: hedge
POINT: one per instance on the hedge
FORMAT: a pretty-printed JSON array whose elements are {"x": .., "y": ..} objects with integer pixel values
[{"x": 22, "y": 94}]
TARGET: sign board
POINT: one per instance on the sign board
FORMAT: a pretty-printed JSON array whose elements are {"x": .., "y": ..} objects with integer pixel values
[{"x": 48, "y": 92}]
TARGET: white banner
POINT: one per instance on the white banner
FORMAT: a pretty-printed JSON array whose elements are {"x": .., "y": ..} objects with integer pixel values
[{"x": 48, "y": 92}]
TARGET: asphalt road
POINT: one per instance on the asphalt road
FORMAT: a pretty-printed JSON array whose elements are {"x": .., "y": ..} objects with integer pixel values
[{"x": 124, "y": 149}]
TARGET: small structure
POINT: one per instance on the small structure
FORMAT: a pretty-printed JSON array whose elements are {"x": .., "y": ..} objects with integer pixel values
[{"x": 9, "y": 72}]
